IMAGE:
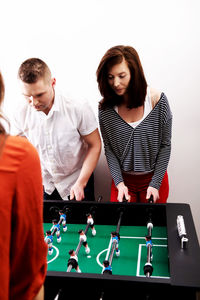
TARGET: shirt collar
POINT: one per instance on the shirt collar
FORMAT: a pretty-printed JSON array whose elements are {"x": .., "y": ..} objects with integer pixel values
[{"x": 55, "y": 106}]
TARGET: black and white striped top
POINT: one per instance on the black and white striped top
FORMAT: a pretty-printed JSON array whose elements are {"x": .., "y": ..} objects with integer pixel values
[{"x": 144, "y": 148}]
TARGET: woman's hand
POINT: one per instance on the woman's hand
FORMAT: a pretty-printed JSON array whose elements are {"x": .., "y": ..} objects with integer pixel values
[
  {"x": 154, "y": 192},
  {"x": 123, "y": 192}
]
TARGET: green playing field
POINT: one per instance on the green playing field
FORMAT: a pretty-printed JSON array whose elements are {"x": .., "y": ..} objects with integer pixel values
[{"x": 132, "y": 245}]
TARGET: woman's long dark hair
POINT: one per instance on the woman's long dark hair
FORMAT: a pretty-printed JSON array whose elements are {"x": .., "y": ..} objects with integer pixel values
[{"x": 137, "y": 85}]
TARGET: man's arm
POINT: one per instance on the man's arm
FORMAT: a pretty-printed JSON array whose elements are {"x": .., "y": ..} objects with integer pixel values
[{"x": 94, "y": 148}]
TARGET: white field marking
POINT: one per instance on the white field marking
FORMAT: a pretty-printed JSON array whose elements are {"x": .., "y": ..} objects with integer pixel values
[
  {"x": 139, "y": 259},
  {"x": 107, "y": 255},
  {"x": 109, "y": 247},
  {"x": 57, "y": 253},
  {"x": 139, "y": 237},
  {"x": 97, "y": 258}
]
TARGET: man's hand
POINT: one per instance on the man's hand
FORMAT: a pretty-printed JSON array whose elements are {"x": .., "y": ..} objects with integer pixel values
[{"x": 77, "y": 191}]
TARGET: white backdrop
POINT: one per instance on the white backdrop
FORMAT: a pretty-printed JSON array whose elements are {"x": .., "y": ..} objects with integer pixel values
[{"x": 72, "y": 36}]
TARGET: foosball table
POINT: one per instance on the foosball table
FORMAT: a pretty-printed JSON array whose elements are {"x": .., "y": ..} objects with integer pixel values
[{"x": 126, "y": 251}]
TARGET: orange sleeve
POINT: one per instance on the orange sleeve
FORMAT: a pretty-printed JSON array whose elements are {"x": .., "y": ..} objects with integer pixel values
[{"x": 28, "y": 249}]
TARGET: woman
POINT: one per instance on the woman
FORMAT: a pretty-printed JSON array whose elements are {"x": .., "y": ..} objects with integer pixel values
[
  {"x": 22, "y": 247},
  {"x": 135, "y": 122}
]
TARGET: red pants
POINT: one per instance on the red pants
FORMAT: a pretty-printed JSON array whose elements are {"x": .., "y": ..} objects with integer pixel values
[{"x": 137, "y": 186}]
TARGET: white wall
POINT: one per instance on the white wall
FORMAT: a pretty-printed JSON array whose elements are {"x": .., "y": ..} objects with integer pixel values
[{"x": 72, "y": 36}]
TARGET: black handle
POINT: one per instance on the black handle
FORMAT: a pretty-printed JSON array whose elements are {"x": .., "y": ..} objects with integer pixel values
[
  {"x": 150, "y": 200},
  {"x": 125, "y": 200}
]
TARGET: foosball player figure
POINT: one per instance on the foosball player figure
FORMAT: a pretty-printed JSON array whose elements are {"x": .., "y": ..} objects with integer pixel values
[
  {"x": 49, "y": 240},
  {"x": 107, "y": 267},
  {"x": 90, "y": 221},
  {"x": 149, "y": 243},
  {"x": 115, "y": 237},
  {"x": 56, "y": 230},
  {"x": 83, "y": 238},
  {"x": 73, "y": 261},
  {"x": 62, "y": 220}
]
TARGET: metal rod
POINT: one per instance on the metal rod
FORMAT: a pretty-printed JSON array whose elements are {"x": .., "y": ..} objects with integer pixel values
[
  {"x": 149, "y": 253},
  {"x": 119, "y": 222},
  {"x": 113, "y": 247},
  {"x": 58, "y": 295},
  {"x": 115, "y": 242},
  {"x": 78, "y": 247},
  {"x": 148, "y": 268},
  {"x": 149, "y": 228},
  {"x": 112, "y": 252}
]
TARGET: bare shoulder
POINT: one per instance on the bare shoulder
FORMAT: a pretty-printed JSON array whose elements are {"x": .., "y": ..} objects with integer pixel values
[{"x": 155, "y": 96}]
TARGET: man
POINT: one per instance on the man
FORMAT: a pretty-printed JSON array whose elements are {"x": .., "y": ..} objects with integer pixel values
[{"x": 64, "y": 132}]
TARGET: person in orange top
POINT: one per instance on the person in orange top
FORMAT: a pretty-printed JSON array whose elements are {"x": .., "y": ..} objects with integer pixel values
[{"x": 22, "y": 247}]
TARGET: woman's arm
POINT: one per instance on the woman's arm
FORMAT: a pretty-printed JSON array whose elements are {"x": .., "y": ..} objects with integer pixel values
[
  {"x": 40, "y": 295},
  {"x": 114, "y": 166}
]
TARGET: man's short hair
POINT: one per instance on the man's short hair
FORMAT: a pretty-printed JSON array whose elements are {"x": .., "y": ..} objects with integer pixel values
[{"x": 33, "y": 69}]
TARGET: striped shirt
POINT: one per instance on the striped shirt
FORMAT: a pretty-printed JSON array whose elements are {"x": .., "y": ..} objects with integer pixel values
[{"x": 145, "y": 148}]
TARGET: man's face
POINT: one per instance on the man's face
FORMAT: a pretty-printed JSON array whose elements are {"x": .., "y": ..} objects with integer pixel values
[{"x": 40, "y": 94}]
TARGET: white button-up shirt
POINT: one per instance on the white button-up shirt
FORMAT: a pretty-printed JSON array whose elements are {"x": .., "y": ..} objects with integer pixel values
[{"x": 58, "y": 139}]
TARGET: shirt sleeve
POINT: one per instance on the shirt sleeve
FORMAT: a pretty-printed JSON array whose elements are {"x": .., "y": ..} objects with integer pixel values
[
  {"x": 112, "y": 160},
  {"x": 87, "y": 122},
  {"x": 16, "y": 128},
  {"x": 28, "y": 248},
  {"x": 163, "y": 155}
]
